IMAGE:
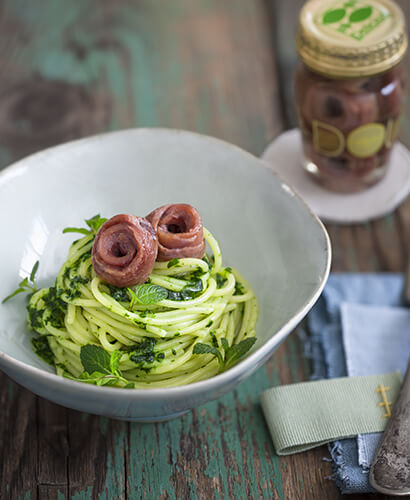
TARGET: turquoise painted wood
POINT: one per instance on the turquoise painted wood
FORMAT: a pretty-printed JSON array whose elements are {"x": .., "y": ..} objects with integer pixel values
[{"x": 74, "y": 68}]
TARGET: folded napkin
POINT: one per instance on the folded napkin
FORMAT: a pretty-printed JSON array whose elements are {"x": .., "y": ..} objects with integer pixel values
[
  {"x": 303, "y": 416},
  {"x": 359, "y": 327},
  {"x": 360, "y": 342}
]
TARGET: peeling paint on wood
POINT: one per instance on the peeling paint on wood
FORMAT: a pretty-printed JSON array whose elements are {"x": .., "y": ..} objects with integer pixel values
[{"x": 71, "y": 69}]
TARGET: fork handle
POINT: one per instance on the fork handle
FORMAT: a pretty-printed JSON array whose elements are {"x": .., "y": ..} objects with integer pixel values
[{"x": 390, "y": 470}]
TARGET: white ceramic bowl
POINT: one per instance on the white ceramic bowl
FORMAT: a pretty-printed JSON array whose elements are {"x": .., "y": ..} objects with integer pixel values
[{"x": 264, "y": 229}]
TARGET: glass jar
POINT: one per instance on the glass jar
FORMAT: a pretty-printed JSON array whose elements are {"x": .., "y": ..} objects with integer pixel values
[{"x": 349, "y": 89}]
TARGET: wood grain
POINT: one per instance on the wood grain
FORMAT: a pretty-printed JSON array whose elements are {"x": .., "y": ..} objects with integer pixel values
[{"x": 70, "y": 69}]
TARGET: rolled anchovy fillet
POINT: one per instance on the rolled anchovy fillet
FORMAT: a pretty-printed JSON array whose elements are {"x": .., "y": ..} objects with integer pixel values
[
  {"x": 125, "y": 250},
  {"x": 179, "y": 231}
]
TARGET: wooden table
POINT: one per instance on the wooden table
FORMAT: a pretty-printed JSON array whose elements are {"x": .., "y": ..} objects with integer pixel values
[{"x": 224, "y": 68}]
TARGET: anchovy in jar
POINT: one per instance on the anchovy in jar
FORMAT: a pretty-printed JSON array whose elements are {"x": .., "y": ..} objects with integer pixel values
[{"x": 349, "y": 89}]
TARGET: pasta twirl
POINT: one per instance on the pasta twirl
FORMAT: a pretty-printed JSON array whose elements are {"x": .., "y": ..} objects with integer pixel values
[{"x": 201, "y": 302}]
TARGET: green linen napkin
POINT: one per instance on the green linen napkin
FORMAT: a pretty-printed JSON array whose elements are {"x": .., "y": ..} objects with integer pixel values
[{"x": 303, "y": 416}]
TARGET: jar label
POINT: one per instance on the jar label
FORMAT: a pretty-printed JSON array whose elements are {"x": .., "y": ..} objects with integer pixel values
[
  {"x": 366, "y": 140},
  {"x": 362, "y": 142},
  {"x": 354, "y": 19}
]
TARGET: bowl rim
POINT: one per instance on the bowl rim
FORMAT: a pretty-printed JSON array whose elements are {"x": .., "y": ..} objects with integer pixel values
[{"x": 242, "y": 369}]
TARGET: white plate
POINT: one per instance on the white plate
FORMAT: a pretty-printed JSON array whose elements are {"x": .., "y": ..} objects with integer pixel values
[{"x": 284, "y": 155}]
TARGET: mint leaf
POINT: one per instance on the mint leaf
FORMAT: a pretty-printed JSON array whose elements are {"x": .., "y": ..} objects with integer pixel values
[
  {"x": 80, "y": 230},
  {"x": 16, "y": 292},
  {"x": 237, "y": 351},
  {"x": 115, "y": 361},
  {"x": 200, "y": 348},
  {"x": 95, "y": 359},
  {"x": 109, "y": 379},
  {"x": 95, "y": 222},
  {"x": 101, "y": 379},
  {"x": 24, "y": 285},
  {"x": 33, "y": 271},
  {"x": 147, "y": 294},
  {"x": 173, "y": 263},
  {"x": 91, "y": 377},
  {"x": 232, "y": 354},
  {"x": 225, "y": 344}
]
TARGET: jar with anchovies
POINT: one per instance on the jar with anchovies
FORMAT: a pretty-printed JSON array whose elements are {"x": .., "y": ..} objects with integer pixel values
[{"x": 349, "y": 89}]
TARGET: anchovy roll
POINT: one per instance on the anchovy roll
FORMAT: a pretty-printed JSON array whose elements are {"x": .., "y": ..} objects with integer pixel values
[
  {"x": 179, "y": 231},
  {"x": 125, "y": 250}
]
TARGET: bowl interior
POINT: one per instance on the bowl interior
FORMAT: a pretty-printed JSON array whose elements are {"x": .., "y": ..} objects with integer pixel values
[{"x": 264, "y": 230}]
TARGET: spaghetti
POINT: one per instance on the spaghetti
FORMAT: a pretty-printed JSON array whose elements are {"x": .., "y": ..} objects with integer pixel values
[{"x": 201, "y": 302}]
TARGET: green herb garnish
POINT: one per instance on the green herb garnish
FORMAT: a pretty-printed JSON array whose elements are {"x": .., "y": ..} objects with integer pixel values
[
  {"x": 189, "y": 292},
  {"x": 147, "y": 294},
  {"x": 95, "y": 359},
  {"x": 42, "y": 349},
  {"x": 173, "y": 263},
  {"x": 119, "y": 294},
  {"x": 144, "y": 354},
  {"x": 26, "y": 285},
  {"x": 94, "y": 225},
  {"x": 220, "y": 280},
  {"x": 200, "y": 348},
  {"x": 101, "y": 367},
  {"x": 231, "y": 354}
]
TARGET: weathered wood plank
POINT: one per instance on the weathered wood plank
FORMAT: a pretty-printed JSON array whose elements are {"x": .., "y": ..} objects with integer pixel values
[
  {"x": 97, "y": 456},
  {"x": 18, "y": 441},
  {"x": 53, "y": 450}
]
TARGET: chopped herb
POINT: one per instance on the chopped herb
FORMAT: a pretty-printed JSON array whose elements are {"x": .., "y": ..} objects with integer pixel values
[
  {"x": 50, "y": 309},
  {"x": 239, "y": 289},
  {"x": 86, "y": 255},
  {"x": 189, "y": 292},
  {"x": 27, "y": 284},
  {"x": 55, "y": 306},
  {"x": 35, "y": 317},
  {"x": 205, "y": 258},
  {"x": 119, "y": 294},
  {"x": 42, "y": 349},
  {"x": 220, "y": 280},
  {"x": 214, "y": 339},
  {"x": 73, "y": 291},
  {"x": 173, "y": 263},
  {"x": 228, "y": 269},
  {"x": 144, "y": 353},
  {"x": 174, "y": 352},
  {"x": 146, "y": 313},
  {"x": 209, "y": 324}
]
